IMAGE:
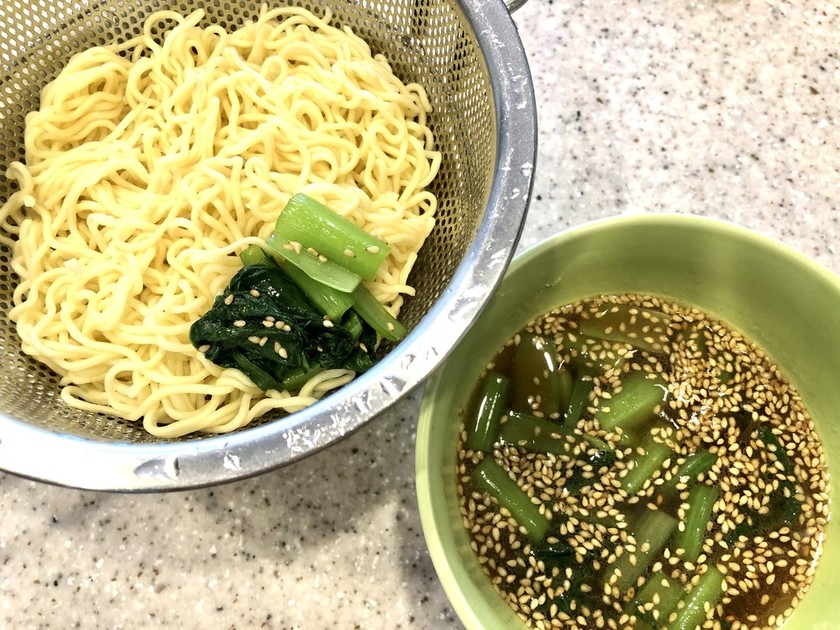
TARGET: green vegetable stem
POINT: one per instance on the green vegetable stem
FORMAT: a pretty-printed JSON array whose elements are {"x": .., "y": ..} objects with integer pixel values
[
  {"x": 320, "y": 269},
  {"x": 578, "y": 397},
  {"x": 699, "y": 601},
  {"x": 642, "y": 466},
  {"x": 315, "y": 227},
  {"x": 698, "y": 462},
  {"x": 632, "y": 404},
  {"x": 370, "y": 310},
  {"x": 537, "y": 434},
  {"x": 692, "y": 531},
  {"x": 655, "y": 600},
  {"x": 331, "y": 302},
  {"x": 651, "y": 531},
  {"x": 538, "y": 382},
  {"x": 491, "y": 405},
  {"x": 491, "y": 478}
]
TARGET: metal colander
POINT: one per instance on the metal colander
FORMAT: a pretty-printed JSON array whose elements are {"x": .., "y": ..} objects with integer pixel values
[{"x": 467, "y": 55}]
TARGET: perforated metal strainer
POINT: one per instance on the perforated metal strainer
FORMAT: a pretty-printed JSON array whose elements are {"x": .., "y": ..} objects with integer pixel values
[{"x": 467, "y": 55}]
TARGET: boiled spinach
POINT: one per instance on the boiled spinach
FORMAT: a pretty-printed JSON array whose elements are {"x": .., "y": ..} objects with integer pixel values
[{"x": 265, "y": 326}]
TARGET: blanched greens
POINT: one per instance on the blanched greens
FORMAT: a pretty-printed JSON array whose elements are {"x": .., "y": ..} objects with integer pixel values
[
  {"x": 281, "y": 323},
  {"x": 265, "y": 326}
]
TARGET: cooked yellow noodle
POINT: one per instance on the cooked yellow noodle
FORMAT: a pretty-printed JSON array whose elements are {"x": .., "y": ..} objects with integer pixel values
[{"x": 150, "y": 165}]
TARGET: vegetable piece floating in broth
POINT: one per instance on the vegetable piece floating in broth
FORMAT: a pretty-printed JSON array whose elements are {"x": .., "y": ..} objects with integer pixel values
[
  {"x": 643, "y": 464},
  {"x": 698, "y": 462},
  {"x": 692, "y": 532},
  {"x": 656, "y": 496},
  {"x": 640, "y": 327},
  {"x": 493, "y": 480},
  {"x": 537, "y": 434},
  {"x": 489, "y": 408},
  {"x": 578, "y": 397},
  {"x": 540, "y": 384},
  {"x": 632, "y": 404},
  {"x": 650, "y": 534},
  {"x": 655, "y": 601},
  {"x": 703, "y": 596}
]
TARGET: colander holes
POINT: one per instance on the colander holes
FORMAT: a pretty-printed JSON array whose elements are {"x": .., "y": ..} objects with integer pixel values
[{"x": 436, "y": 53}]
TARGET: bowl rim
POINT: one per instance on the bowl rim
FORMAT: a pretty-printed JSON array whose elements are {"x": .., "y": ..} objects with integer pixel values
[{"x": 459, "y": 591}]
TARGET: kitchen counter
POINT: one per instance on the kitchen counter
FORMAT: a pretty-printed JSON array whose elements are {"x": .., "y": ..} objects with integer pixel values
[{"x": 726, "y": 109}]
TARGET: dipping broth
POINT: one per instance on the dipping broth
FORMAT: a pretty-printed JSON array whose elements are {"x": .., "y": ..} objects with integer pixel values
[{"x": 632, "y": 463}]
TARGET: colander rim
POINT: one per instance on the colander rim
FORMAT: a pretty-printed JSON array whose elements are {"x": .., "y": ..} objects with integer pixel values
[{"x": 68, "y": 460}]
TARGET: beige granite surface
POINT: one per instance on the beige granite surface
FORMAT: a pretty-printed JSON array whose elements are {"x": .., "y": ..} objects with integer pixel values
[{"x": 728, "y": 109}]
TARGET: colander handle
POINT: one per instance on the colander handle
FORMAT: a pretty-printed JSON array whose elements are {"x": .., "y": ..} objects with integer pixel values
[{"x": 513, "y": 5}]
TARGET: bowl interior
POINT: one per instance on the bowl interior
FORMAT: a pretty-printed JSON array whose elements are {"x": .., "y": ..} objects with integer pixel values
[{"x": 777, "y": 298}]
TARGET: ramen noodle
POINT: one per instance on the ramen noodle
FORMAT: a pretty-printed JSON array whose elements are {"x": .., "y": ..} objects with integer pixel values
[{"x": 150, "y": 164}]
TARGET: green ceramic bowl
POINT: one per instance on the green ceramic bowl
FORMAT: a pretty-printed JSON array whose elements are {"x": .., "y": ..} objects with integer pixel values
[{"x": 781, "y": 300}]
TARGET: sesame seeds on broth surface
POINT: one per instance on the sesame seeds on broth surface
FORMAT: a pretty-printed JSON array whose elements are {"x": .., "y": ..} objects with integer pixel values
[{"x": 685, "y": 488}]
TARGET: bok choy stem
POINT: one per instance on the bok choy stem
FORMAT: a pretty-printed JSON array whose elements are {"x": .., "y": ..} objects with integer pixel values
[
  {"x": 692, "y": 531},
  {"x": 324, "y": 271},
  {"x": 651, "y": 531},
  {"x": 645, "y": 465},
  {"x": 492, "y": 403},
  {"x": 699, "y": 601},
  {"x": 316, "y": 227},
  {"x": 491, "y": 478},
  {"x": 370, "y": 310},
  {"x": 632, "y": 404}
]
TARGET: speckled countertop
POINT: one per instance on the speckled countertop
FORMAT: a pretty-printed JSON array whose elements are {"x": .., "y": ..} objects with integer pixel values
[{"x": 729, "y": 109}]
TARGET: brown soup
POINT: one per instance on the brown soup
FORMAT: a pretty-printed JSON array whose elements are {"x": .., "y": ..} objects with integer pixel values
[{"x": 632, "y": 463}]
